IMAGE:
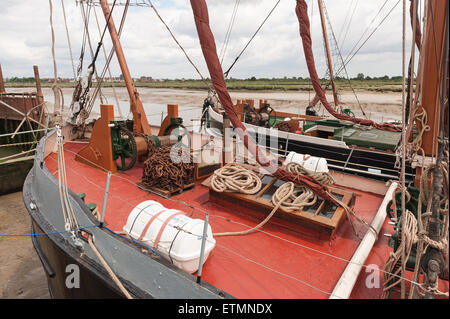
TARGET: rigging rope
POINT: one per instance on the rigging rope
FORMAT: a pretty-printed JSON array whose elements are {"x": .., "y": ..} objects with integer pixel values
[
  {"x": 367, "y": 28},
  {"x": 57, "y": 91},
  {"x": 302, "y": 14},
  {"x": 251, "y": 39},
  {"x": 68, "y": 39},
  {"x": 228, "y": 33},
  {"x": 349, "y": 23},
  {"x": 349, "y": 58},
  {"x": 180, "y": 46},
  {"x": 108, "y": 61},
  {"x": 343, "y": 26},
  {"x": 83, "y": 86},
  {"x": 109, "y": 70}
]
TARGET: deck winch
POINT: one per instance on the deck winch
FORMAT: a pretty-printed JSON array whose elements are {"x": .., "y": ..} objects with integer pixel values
[
  {"x": 265, "y": 116},
  {"x": 128, "y": 145}
]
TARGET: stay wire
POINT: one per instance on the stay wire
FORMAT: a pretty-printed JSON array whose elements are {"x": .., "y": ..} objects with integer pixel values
[
  {"x": 349, "y": 58},
  {"x": 228, "y": 33},
  {"x": 251, "y": 39}
]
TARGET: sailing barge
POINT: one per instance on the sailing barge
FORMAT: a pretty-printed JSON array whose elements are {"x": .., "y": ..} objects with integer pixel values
[
  {"x": 22, "y": 122},
  {"x": 241, "y": 231}
]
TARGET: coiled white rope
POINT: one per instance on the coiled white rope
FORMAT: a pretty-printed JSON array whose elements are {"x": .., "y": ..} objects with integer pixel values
[{"x": 290, "y": 197}]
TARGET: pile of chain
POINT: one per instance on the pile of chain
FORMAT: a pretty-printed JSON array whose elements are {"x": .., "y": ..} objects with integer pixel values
[{"x": 168, "y": 168}]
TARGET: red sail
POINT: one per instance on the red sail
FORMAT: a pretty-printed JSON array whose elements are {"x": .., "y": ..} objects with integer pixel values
[
  {"x": 209, "y": 50},
  {"x": 302, "y": 15},
  {"x": 418, "y": 37}
]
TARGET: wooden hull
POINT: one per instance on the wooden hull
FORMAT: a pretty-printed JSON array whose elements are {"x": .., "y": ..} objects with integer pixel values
[
  {"x": 57, "y": 251},
  {"x": 12, "y": 176}
]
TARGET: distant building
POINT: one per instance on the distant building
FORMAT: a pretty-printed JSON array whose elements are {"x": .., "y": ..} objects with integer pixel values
[{"x": 146, "y": 79}]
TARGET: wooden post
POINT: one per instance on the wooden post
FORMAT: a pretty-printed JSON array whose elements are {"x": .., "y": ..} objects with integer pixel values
[
  {"x": 2, "y": 84},
  {"x": 261, "y": 104},
  {"x": 140, "y": 119},
  {"x": 327, "y": 47},
  {"x": 227, "y": 141},
  {"x": 172, "y": 112},
  {"x": 40, "y": 96},
  {"x": 99, "y": 151},
  {"x": 240, "y": 110}
]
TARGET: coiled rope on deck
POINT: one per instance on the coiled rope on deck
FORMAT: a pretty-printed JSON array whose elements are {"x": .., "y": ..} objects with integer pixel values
[{"x": 236, "y": 177}]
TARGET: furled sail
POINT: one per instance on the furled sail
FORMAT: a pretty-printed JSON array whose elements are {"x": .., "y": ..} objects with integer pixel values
[{"x": 302, "y": 15}]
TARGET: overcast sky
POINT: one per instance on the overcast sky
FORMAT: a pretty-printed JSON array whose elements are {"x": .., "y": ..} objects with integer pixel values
[{"x": 25, "y": 38}]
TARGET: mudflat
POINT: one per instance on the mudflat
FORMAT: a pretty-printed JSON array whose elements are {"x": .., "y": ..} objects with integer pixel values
[{"x": 21, "y": 272}]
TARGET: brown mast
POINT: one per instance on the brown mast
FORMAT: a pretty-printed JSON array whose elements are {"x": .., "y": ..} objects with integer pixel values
[
  {"x": 140, "y": 119},
  {"x": 2, "y": 84},
  {"x": 327, "y": 47},
  {"x": 432, "y": 71},
  {"x": 40, "y": 95}
]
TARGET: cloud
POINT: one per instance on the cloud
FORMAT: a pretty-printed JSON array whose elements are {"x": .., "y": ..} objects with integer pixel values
[{"x": 276, "y": 51}]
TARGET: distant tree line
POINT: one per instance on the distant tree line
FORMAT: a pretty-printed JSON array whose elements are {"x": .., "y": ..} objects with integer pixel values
[
  {"x": 359, "y": 77},
  {"x": 20, "y": 80}
]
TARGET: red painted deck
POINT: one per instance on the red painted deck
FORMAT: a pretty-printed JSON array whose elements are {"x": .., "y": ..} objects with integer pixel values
[{"x": 283, "y": 261}]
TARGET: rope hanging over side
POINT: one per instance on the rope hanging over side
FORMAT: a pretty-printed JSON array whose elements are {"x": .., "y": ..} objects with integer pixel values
[
  {"x": 70, "y": 220},
  {"x": 251, "y": 39},
  {"x": 108, "y": 269}
]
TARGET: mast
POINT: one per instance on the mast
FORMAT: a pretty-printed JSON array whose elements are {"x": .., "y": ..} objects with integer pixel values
[
  {"x": 327, "y": 47},
  {"x": 433, "y": 61},
  {"x": 140, "y": 119},
  {"x": 39, "y": 95},
  {"x": 2, "y": 84},
  {"x": 434, "y": 82}
]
